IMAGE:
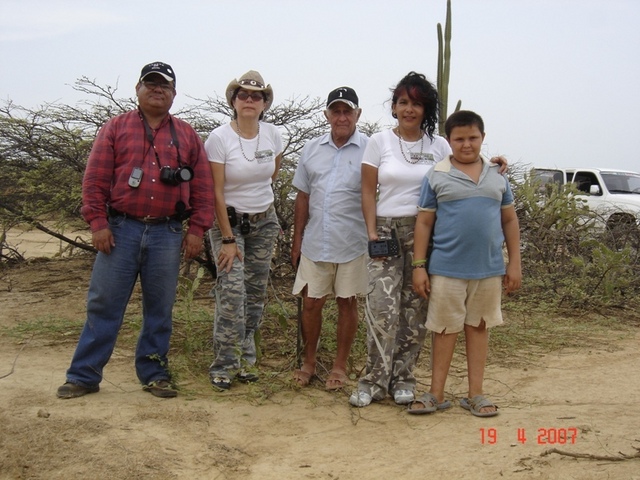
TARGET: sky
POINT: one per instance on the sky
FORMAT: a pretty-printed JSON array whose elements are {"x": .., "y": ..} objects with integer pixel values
[{"x": 556, "y": 81}]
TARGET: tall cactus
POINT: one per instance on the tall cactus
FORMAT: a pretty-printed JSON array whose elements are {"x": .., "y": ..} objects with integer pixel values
[{"x": 444, "y": 67}]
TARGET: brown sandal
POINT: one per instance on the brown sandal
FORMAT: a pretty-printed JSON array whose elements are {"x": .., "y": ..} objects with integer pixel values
[
  {"x": 336, "y": 380},
  {"x": 302, "y": 378}
]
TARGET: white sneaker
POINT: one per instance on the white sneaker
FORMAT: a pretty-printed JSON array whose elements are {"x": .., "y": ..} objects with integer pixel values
[
  {"x": 403, "y": 397},
  {"x": 360, "y": 399}
]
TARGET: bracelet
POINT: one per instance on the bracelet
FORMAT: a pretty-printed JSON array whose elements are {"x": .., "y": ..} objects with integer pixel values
[
  {"x": 422, "y": 265},
  {"x": 415, "y": 263},
  {"x": 228, "y": 240}
]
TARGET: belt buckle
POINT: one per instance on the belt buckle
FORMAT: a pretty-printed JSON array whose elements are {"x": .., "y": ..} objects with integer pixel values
[{"x": 153, "y": 220}]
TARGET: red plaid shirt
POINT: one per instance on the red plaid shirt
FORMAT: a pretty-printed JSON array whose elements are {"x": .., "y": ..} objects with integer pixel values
[{"x": 121, "y": 145}]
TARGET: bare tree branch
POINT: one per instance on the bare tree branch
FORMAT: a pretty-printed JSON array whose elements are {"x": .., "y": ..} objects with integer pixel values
[{"x": 589, "y": 456}]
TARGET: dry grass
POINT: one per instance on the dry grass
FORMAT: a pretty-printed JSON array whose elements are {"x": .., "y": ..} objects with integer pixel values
[{"x": 43, "y": 443}]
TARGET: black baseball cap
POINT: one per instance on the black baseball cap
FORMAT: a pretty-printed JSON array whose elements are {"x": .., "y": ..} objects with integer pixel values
[
  {"x": 161, "y": 69},
  {"x": 343, "y": 94}
]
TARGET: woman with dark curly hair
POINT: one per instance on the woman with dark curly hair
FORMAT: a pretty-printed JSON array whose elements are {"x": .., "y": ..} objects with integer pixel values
[{"x": 394, "y": 164}]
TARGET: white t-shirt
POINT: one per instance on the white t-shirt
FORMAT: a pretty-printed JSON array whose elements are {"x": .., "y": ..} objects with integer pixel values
[
  {"x": 399, "y": 181},
  {"x": 247, "y": 185}
]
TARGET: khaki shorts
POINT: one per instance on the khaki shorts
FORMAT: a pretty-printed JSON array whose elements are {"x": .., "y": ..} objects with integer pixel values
[
  {"x": 455, "y": 302},
  {"x": 343, "y": 280}
]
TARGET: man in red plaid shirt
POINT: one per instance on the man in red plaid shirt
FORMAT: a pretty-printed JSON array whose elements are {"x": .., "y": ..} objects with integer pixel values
[{"x": 147, "y": 174}]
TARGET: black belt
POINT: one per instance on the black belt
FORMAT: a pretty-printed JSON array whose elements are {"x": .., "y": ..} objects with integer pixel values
[{"x": 148, "y": 220}]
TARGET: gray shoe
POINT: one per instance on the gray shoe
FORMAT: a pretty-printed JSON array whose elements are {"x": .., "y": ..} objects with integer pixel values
[
  {"x": 403, "y": 397},
  {"x": 72, "y": 390},
  {"x": 360, "y": 399}
]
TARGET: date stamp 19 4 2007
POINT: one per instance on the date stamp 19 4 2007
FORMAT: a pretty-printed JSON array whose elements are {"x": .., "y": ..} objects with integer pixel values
[{"x": 544, "y": 436}]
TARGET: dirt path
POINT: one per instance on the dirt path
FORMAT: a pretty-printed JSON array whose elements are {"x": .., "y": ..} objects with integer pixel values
[{"x": 576, "y": 401}]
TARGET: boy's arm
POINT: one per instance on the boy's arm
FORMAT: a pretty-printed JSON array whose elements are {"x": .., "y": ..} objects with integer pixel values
[
  {"x": 421, "y": 236},
  {"x": 511, "y": 229}
]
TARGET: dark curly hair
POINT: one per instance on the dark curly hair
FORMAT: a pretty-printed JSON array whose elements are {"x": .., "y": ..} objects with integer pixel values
[{"x": 421, "y": 90}]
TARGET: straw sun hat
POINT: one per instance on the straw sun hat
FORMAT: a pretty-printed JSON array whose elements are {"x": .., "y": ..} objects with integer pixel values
[{"x": 251, "y": 80}]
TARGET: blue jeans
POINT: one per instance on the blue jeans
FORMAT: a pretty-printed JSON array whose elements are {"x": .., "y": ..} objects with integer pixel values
[{"x": 153, "y": 253}]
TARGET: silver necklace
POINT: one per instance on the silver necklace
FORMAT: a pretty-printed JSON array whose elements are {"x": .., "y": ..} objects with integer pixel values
[
  {"x": 242, "y": 148},
  {"x": 413, "y": 156}
]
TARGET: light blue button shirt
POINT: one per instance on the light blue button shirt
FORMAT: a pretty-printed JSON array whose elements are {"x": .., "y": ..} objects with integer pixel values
[{"x": 336, "y": 231}]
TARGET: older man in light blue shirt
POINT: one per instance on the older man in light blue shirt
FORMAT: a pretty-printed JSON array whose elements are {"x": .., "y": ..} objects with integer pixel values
[{"x": 330, "y": 237}]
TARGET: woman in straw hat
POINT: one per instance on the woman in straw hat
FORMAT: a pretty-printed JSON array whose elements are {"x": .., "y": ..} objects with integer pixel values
[{"x": 245, "y": 156}]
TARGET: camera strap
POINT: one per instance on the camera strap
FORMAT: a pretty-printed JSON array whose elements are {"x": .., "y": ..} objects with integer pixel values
[
  {"x": 181, "y": 211},
  {"x": 150, "y": 138},
  {"x": 174, "y": 139}
]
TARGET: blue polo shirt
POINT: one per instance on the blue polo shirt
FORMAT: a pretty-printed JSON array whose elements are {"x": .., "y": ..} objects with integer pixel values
[
  {"x": 336, "y": 231},
  {"x": 467, "y": 234}
]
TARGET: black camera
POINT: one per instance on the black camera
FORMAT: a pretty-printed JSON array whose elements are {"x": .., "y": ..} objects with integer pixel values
[
  {"x": 176, "y": 176},
  {"x": 245, "y": 226},
  {"x": 233, "y": 218},
  {"x": 384, "y": 248},
  {"x": 387, "y": 247}
]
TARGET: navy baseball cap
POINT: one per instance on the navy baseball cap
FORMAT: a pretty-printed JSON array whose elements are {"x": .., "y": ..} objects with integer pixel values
[
  {"x": 343, "y": 94},
  {"x": 161, "y": 69}
]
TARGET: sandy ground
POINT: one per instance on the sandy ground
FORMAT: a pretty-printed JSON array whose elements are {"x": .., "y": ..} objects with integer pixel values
[
  {"x": 579, "y": 402},
  {"x": 33, "y": 243}
]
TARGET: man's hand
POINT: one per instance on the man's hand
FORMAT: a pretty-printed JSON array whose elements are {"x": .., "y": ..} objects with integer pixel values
[
  {"x": 191, "y": 246},
  {"x": 295, "y": 256},
  {"x": 103, "y": 240}
]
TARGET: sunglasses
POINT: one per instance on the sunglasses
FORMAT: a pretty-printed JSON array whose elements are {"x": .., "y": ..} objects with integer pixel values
[
  {"x": 154, "y": 85},
  {"x": 255, "y": 96}
]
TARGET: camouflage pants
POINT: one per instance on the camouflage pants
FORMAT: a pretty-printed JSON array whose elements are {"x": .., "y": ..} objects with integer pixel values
[
  {"x": 240, "y": 295},
  {"x": 396, "y": 319}
]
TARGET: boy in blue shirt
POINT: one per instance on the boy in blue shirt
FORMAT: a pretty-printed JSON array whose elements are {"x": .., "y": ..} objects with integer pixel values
[{"x": 468, "y": 207}]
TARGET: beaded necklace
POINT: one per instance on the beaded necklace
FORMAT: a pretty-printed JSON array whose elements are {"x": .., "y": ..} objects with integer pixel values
[
  {"x": 242, "y": 148},
  {"x": 413, "y": 156}
]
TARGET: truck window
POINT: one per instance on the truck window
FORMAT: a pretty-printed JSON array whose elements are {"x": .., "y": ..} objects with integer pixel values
[
  {"x": 616, "y": 183},
  {"x": 584, "y": 180},
  {"x": 622, "y": 182},
  {"x": 545, "y": 177}
]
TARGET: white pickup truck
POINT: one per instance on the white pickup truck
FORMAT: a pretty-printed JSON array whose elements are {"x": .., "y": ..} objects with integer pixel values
[{"x": 614, "y": 195}]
